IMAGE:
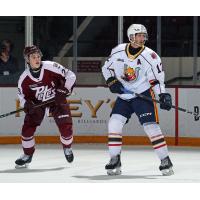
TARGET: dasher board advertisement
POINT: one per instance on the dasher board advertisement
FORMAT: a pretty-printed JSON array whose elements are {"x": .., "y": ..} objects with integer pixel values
[
  {"x": 189, "y": 126},
  {"x": 90, "y": 108}
]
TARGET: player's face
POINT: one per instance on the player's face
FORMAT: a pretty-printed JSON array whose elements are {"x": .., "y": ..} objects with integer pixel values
[
  {"x": 35, "y": 60},
  {"x": 140, "y": 39}
]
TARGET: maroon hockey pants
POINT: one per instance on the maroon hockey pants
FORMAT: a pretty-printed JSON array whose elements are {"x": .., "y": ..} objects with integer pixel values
[{"x": 63, "y": 119}]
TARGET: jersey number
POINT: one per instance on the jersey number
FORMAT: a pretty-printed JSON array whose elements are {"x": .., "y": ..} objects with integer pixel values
[{"x": 158, "y": 68}]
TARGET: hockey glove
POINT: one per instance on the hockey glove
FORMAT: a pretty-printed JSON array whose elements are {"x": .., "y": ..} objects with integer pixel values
[
  {"x": 60, "y": 100},
  {"x": 114, "y": 85},
  {"x": 165, "y": 101},
  {"x": 60, "y": 96},
  {"x": 29, "y": 107},
  {"x": 61, "y": 93}
]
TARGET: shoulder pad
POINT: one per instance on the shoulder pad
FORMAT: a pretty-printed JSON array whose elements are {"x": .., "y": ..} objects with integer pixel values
[
  {"x": 118, "y": 48},
  {"x": 149, "y": 53},
  {"x": 47, "y": 63}
]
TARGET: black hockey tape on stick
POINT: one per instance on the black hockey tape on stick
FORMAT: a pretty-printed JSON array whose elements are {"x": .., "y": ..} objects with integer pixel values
[
  {"x": 175, "y": 107},
  {"x": 36, "y": 106}
]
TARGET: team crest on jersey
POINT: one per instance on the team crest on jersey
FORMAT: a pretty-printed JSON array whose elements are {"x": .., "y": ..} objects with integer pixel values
[
  {"x": 130, "y": 74},
  {"x": 43, "y": 93}
]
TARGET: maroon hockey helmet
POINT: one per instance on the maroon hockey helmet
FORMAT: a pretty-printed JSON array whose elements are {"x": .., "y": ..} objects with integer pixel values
[{"x": 30, "y": 50}]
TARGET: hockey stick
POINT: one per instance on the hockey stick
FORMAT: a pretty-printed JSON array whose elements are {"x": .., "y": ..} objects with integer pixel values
[
  {"x": 22, "y": 109},
  {"x": 175, "y": 107},
  {"x": 36, "y": 106}
]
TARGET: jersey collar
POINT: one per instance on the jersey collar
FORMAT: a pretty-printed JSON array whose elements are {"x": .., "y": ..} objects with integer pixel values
[{"x": 130, "y": 56}]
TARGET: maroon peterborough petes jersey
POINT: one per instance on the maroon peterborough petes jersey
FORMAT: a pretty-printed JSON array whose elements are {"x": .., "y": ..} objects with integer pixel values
[{"x": 43, "y": 88}]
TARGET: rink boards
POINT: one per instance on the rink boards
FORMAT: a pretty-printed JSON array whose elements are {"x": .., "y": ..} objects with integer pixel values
[{"x": 91, "y": 107}]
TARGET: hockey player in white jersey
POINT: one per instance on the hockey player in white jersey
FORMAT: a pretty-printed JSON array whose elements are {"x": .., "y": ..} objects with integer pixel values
[{"x": 134, "y": 68}]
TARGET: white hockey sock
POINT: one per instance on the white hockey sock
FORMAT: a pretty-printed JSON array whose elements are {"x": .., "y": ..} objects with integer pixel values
[
  {"x": 114, "y": 144},
  {"x": 115, "y": 126},
  {"x": 157, "y": 139}
]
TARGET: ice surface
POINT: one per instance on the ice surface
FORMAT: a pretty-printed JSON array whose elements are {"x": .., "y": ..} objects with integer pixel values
[{"x": 139, "y": 164}]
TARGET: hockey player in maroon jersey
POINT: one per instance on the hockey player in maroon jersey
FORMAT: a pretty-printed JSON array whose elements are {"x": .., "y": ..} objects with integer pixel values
[{"x": 40, "y": 82}]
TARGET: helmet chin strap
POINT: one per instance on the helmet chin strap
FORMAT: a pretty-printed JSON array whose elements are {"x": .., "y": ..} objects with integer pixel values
[{"x": 135, "y": 43}]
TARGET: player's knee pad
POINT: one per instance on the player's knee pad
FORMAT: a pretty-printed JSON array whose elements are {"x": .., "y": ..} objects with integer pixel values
[
  {"x": 116, "y": 123},
  {"x": 152, "y": 129}
]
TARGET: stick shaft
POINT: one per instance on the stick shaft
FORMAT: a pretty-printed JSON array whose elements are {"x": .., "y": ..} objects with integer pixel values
[
  {"x": 36, "y": 106},
  {"x": 173, "y": 106},
  {"x": 22, "y": 109}
]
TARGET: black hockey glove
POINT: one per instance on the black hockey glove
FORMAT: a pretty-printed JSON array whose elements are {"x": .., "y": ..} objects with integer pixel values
[
  {"x": 114, "y": 85},
  {"x": 165, "y": 101},
  {"x": 29, "y": 107}
]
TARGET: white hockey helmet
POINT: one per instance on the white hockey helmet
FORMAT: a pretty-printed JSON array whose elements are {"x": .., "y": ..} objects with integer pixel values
[{"x": 134, "y": 29}]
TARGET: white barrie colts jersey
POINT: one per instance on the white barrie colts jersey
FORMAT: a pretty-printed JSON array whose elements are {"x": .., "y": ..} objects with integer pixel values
[{"x": 136, "y": 72}]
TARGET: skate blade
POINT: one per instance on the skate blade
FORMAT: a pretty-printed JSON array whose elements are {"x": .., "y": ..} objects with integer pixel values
[
  {"x": 25, "y": 166},
  {"x": 114, "y": 172},
  {"x": 167, "y": 172}
]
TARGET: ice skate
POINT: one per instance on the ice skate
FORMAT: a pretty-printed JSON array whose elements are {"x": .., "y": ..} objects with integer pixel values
[
  {"x": 114, "y": 166},
  {"x": 69, "y": 154},
  {"x": 166, "y": 167},
  {"x": 23, "y": 161}
]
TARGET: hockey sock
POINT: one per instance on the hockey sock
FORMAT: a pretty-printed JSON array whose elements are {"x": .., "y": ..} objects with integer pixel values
[
  {"x": 28, "y": 144},
  {"x": 66, "y": 136},
  {"x": 115, "y": 127},
  {"x": 27, "y": 139},
  {"x": 114, "y": 144},
  {"x": 157, "y": 139},
  {"x": 66, "y": 141}
]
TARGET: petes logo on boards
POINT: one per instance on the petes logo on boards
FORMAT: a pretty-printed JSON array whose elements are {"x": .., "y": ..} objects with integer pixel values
[{"x": 43, "y": 93}]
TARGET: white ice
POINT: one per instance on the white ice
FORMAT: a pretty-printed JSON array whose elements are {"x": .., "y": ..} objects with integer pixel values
[{"x": 139, "y": 164}]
